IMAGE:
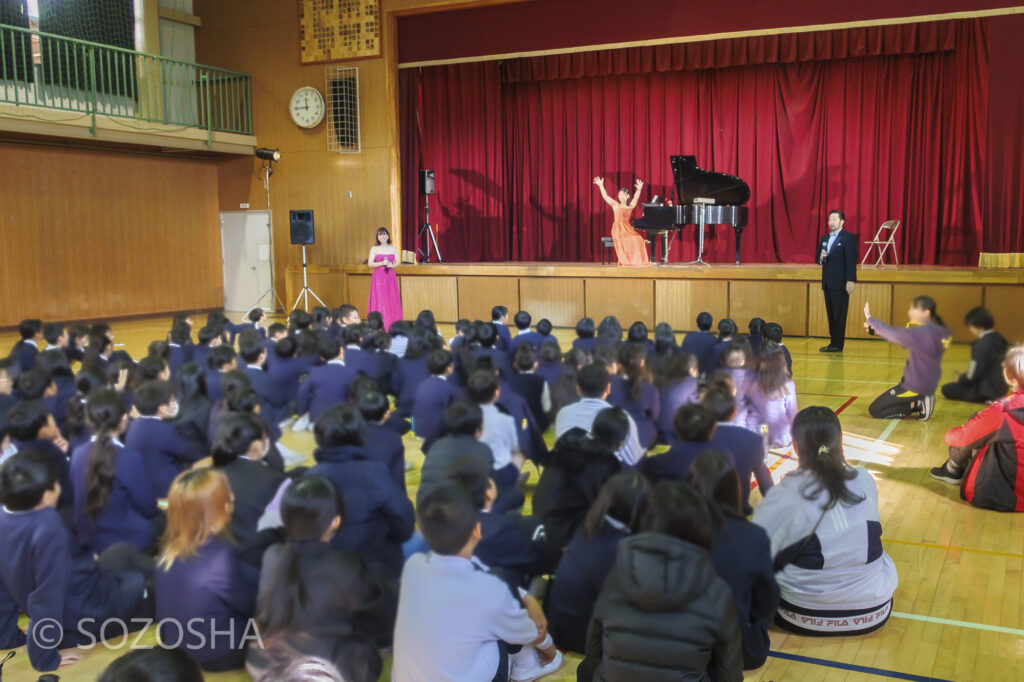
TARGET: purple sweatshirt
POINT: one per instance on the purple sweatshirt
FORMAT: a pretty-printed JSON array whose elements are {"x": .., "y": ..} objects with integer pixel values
[
  {"x": 926, "y": 343},
  {"x": 776, "y": 411}
]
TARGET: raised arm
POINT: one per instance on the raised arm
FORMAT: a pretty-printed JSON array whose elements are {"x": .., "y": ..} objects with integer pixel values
[
  {"x": 604, "y": 195},
  {"x": 636, "y": 195}
]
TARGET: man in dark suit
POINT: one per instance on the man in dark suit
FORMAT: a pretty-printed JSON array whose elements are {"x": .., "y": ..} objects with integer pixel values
[{"x": 837, "y": 255}]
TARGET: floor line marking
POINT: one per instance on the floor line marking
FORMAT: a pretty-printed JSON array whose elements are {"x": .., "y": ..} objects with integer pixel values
[
  {"x": 893, "y": 423},
  {"x": 856, "y": 668},
  {"x": 959, "y": 623},
  {"x": 947, "y": 548},
  {"x": 844, "y": 381}
]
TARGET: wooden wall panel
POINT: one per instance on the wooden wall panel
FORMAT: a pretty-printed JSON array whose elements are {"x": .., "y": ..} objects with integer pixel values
[
  {"x": 439, "y": 294},
  {"x": 952, "y": 300},
  {"x": 627, "y": 299},
  {"x": 556, "y": 298},
  {"x": 95, "y": 234},
  {"x": 357, "y": 289},
  {"x": 678, "y": 302},
  {"x": 477, "y": 295},
  {"x": 878, "y": 294},
  {"x": 1004, "y": 302},
  {"x": 774, "y": 301}
]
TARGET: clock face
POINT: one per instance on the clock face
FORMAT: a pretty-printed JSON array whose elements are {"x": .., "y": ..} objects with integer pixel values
[{"x": 307, "y": 107}]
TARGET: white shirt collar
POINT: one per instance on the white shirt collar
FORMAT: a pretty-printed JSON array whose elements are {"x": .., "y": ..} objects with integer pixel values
[
  {"x": 336, "y": 362},
  {"x": 36, "y": 345}
]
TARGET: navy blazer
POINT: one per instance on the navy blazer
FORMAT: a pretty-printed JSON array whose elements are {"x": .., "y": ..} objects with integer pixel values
[
  {"x": 200, "y": 353},
  {"x": 380, "y": 364},
  {"x": 59, "y": 458},
  {"x": 385, "y": 445},
  {"x": 505, "y": 549},
  {"x": 840, "y": 266},
  {"x": 550, "y": 371},
  {"x": 176, "y": 357},
  {"x": 325, "y": 386},
  {"x": 275, "y": 404},
  {"x": 358, "y": 360},
  {"x": 577, "y": 584},
  {"x": 504, "y": 339},
  {"x": 378, "y": 513},
  {"x": 25, "y": 353},
  {"x": 214, "y": 590},
  {"x": 588, "y": 343},
  {"x": 406, "y": 378},
  {"x": 675, "y": 463},
  {"x": 433, "y": 396},
  {"x": 530, "y": 387},
  {"x": 645, "y": 411},
  {"x": 286, "y": 372},
  {"x": 531, "y": 440},
  {"x": 672, "y": 398},
  {"x": 746, "y": 450},
  {"x": 45, "y": 573},
  {"x": 131, "y": 506},
  {"x": 713, "y": 357},
  {"x": 527, "y": 336},
  {"x": 499, "y": 361},
  {"x": 699, "y": 344},
  {"x": 165, "y": 452},
  {"x": 213, "y": 388}
]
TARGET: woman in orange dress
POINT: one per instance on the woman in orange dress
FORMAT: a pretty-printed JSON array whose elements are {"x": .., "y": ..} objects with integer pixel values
[{"x": 630, "y": 246}]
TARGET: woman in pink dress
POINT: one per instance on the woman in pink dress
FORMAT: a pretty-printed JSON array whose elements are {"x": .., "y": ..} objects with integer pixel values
[
  {"x": 630, "y": 245},
  {"x": 384, "y": 295}
]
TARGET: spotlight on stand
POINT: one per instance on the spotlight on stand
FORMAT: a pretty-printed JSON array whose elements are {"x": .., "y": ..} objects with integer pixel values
[{"x": 268, "y": 154}]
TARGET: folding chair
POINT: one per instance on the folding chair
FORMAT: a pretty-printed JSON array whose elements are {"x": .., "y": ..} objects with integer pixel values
[{"x": 884, "y": 238}]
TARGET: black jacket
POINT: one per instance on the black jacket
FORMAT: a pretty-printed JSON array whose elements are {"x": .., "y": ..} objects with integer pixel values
[
  {"x": 987, "y": 382},
  {"x": 840, "y": 266},
  {"x": 663, "y": 614}
]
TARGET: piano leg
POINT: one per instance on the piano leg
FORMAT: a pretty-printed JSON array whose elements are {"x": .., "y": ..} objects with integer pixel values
[
  {"x": 664, "y": 246},
  {"x": 738, "y": 231}
]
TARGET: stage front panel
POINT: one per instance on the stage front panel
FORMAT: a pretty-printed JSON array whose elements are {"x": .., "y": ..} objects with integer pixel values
[
  {"x": 477, "y": 295},
  {"x": 627, "y": 299},
  {"x": 439, "y": 294},
  {"x": 781, "y": 302},
  {"x": 679, "y": 301},
  {"x": 559, "y": 299}
]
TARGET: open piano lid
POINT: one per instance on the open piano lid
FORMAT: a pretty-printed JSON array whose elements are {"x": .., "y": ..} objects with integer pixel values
[{"x": 694, "y": 184}]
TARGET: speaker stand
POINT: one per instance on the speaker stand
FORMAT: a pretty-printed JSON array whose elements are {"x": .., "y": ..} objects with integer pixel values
[
  {"x": 425, "y": 228},
  {"x": 306, "y": 292},
  {"x": 275, "y": 300}
]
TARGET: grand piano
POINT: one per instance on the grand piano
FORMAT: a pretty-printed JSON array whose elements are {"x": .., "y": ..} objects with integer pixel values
[{"x": 705, "y": 198}]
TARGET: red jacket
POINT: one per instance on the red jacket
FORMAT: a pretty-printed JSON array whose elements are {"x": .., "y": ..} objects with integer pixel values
[{"x": 995, "y": 477}]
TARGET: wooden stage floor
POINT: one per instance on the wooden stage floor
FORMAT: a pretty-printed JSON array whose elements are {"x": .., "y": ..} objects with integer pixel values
[{"x": 957, "y": 613}]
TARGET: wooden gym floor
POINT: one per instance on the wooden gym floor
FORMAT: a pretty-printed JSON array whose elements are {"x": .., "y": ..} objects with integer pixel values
[{"x": 957, "y": 612}]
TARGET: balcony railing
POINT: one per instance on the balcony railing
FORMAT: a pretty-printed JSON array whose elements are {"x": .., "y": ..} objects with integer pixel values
[{"x": 54, "y": 72}]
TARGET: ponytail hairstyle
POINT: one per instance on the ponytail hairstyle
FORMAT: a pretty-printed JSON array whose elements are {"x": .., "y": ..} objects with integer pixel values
[
  {"x": 726, "y": 329},
  {"x": 105, "y": 412},
  {"x": 633, "y": 366},
  {"x": 308, "y": 508},
  {"x": 664, "y": 339},
  {"x": 772, "y": 373},
  {"x": 713, "y": 475},
  {"x": 87, "y": 381},
  {"x": 928, "y": 303},
  {"x": 199, "y": 506},
  {"x": 818, "y": 440},
  {"x": 624, "y": 497}
]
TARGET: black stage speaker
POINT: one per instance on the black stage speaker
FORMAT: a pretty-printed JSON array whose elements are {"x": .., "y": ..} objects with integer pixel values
[
  {"x": 301, "y": 223},
  {"x": 426, "y": 182}
]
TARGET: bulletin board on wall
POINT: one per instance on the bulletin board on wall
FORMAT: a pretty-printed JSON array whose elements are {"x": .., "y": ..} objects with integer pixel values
[{"x": 338, "y": 30}]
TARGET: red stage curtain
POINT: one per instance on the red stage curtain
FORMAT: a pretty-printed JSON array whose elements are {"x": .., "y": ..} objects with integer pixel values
[
  {"x": 1004, "y": 227},
  {"x": 900, "y": 135}
]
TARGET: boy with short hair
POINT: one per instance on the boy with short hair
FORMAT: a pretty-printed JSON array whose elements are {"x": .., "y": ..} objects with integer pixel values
[
  {"x": 382, "y": 443},
  {"x": 165, "y": 453},
  {"x": 773, "y": 332},
  {"x": 499, "y": 431},
  {"x": 32, "y": 427},
  {"x": 179, "y": 351},
  {"x": 433, "y": 396},
  {"x": 699, "y": 343},
  {"x": 26, "y": 350},
  {"x": 499, "y": 318},
  {"x": 221, "y": 359},
  {"x": 522, "y": 320},
  {"x": 326, "y": 384},
  {"x": 275, "y": 406},
  {"x": 485, "y": 624},
  {"x": 56, "y": 336},
  {"x": 984, "y": 381}
]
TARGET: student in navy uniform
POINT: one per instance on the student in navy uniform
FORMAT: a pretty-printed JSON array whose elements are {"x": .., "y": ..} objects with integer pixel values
[
  {"x": 984, "y": 381},
  {"x": 638, "y": 334},
  {"x": 549, "y": 365},
  {"x": 26, "y": 350},
  {"x": 9, "y": 372},
  {"x": 523, "y": 335},
  {"x": 499, "y": 318},
  {"x": 677, "y": 386},
  {"x": 410, "y": 371},
  {"x": 315, "y": 601},
  {"x": 380, "y": 515},
  {"x": 487, "y": 337},
  {"x": 713, "y": 358},
  {"x": 755, "y": 334},
  {"x": 327, "y": 384},
  {"x": 356, "y": 359},
  {"x": 585, "y": 339},
  {"x": 379, "y": 363},
  {"x": 275, "y": 407},
  {"x": 741, "y": 553},
  {"x": 56, "y": 336},
  {"x": 205, "y": 593},
  {"x": 433, "y": 396},
  {"x": 194, "y": 406},
  {"x": 616, "y": 513},
  {"x": 209, "y": 338},
  {"x": 114, "y": 500},
  {"x": 926, "y": 339},
  {"x": 221, "y": 360},
  {"x": 56, "y": 365},
  {"x": 528, "y": 431},
  {"x": 636, "y": 394},
  {"x": 165, "y": 452},
  {"x": 177, "y": 343},
  {"x": 382, "y": 443},
  {"x": 694, "y": 427},
  {"x": 36, "y": 384},
  {"x": 46, "y": 574},
  {"x": 286, "y": 368},
  {"x": 531, "y": 387},
  {"x": 744, "y": 448},
  {"x": 837, "y": 256},
  {"x": 32, "y": 427},
  {"x": 773, "y": 332},
  {"x": 699, "y": 343}
]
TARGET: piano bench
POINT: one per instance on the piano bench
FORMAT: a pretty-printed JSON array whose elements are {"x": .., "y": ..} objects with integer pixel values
[{"x": 606, "y": 243}]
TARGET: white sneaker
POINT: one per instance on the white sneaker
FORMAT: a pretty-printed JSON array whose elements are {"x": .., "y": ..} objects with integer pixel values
[
  {"x": 291, "y": 457},
  {"x": 532, "y": 668},
  {"x": 302, "y": 423},
  {"x": 284, "y": 424}
]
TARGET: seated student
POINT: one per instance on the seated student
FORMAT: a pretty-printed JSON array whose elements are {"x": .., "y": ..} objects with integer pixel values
[
  {"x": 205, "y": 593},
  {"x": 37, "y": 384},
  {"x": 585, "y": 330},
  {"x": 220, "y": 361},
  {"x": 193, "y": 420},
  {"x": 347, "y": 314},
  {"x": 327, "y": 384},
  {"x": 529, "y": 386},
  {"x": 382, "y": 443},
  {"x": 487, "y": 337},
  {"x": 615, "y": 514},
  {"x": 77, "y": 427},
  {"x": 321, "y": 318},
  {"x": 9, "y": 372},
  {"x": 318, "y": 600},
  {"x": 113, "y": 498},
  {"x": 156, "y": 664},
  {"x": 636, "y": 394},
  {"x": 773, "y": 332},
  {"x": 28, "y": 347},
  {"x": 663, "y": 613},
  {"x": 31, "y": 427},
  {"x": 98, "y": 351},
  {"x": 209, "y": 338},
  {"x": 677, "y": 386},
  {"x": 741, "y": 553},
  {"x": 410, "y": 371},
  {"x": 485, "y": 624},
  {"x": 593, "y": 386},
  {"x": 743, "y": 447},
  {"x": 56, "y": 336},
  {"x": 499, "y": 428},
  {"x": 380, "y": 364},
  {"x": 549, "y": 362},
  {"x": 275, "y": 333},
  {"x": 433, "y": 396},
  {"x": 699, "y": 343},
  {"x": 380, "y": 515},
  {"x": 663, "y": 350},
  {"x": 461, "y": 325},
  {"x": 983, "y": 382},
  {"x": 286, "y": 367},
  {"x": 522, "y": 320},
  {"x": 165, "y": 452},
  {"x": 499, "y": 318},
  {"x": 694, "y": 426},
  {"x": 564, "y": 390},
  {"x": 772, "y": 397},
  {"x": 609, "y": 333},
  {"x": 77, "y": 337},
  {"x": 256, "y": 320},
  {"x": 356, "y": 359},
  {"x": 727, "y": 330},
  {"x": 46, "y": 574},
  {"x": 152, "y": 367},
  {"x": 741, "y": 366},
  {"x": 826, "y": 508},
  {"x": 275, "y": 406},
  {"x": 638, "y": 334},
  {"x": 755, "y": 335},
  {"x": 178, "y": 349},
  {"x": 985, "y": 453},
  {"x": 926, "y": 339}
]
